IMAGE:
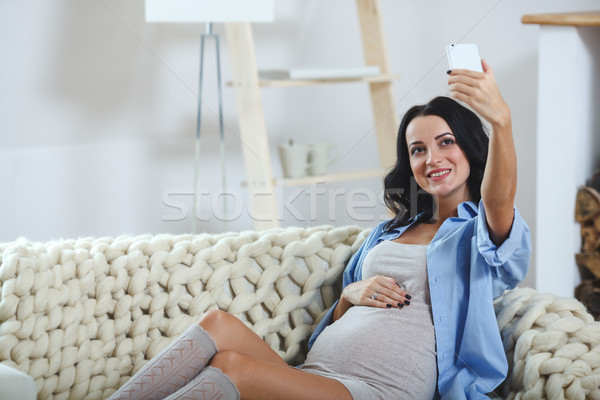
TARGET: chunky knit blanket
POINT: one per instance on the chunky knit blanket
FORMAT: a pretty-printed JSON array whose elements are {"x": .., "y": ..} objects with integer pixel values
[
  {"x": 82, "y": 316},
  {"x": 552, "y": 344}
]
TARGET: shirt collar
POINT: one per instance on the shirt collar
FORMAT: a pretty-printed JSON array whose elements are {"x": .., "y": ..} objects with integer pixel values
[{"x": 465, "y": 210}]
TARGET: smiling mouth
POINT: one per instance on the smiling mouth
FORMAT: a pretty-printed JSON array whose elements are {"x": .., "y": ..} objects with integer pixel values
[{"x": 439, "y": 173}]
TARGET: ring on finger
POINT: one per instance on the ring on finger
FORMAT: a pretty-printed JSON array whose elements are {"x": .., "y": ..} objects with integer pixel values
[{"x": 374, "y": 297}]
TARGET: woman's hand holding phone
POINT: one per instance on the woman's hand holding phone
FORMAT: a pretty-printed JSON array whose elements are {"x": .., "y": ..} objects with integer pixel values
[
  {"x": 472, "y": 81},
  {"x": 480, "y": 91}
]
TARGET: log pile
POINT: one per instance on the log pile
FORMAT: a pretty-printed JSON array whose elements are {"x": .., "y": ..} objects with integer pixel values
[{"x": 587, "y": 214}]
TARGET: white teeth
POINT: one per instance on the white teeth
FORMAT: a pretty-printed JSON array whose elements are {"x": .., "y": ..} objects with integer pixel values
[{"x": 439, "y": 173}]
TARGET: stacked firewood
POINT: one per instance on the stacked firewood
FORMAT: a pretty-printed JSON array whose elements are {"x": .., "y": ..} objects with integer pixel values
[{"x": 587, "y": 214}]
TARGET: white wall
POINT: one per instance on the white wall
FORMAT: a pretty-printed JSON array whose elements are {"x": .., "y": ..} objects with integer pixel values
[
  {"x": 98, "y": 108},
  {"x": 568, "y": 126}
]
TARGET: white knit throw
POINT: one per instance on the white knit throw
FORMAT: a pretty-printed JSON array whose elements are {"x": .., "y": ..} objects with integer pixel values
[
  {"x": 552, "y": 344},
  {"x": 80, "y": 316}
]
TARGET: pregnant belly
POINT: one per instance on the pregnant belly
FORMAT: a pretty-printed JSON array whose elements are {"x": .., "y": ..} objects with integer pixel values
[{"x": 367, "y": 337}]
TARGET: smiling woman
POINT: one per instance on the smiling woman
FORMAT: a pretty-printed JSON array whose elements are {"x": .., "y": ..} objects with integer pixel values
[
  {"x": 452, "y": 193},
  {"x": 443, "y": 140},
  {"x": 439, "y": 165}
]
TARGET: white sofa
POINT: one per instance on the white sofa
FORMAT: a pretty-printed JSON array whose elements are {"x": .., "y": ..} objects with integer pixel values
[{"x": 79, "y": 317}]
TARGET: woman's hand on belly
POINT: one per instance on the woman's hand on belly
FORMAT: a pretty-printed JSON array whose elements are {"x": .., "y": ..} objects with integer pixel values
[{"x": 376, "y": 291}]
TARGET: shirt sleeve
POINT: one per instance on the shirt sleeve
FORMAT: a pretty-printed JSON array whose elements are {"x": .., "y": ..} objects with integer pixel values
[{"x": 509, "y": 261}]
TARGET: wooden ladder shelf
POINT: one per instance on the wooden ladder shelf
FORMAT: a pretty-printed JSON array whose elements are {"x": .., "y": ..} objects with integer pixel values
[{"x": 253, "y": 132}]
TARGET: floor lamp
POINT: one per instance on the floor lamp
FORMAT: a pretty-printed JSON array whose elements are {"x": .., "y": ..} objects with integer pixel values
[{"x": 208, "y": 12}]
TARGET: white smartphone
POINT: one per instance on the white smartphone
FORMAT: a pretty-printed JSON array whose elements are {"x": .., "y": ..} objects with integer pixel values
[{"x": 464, "y": 56}]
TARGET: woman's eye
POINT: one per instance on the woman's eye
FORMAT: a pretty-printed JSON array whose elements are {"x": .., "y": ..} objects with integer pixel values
[
  {"x": 416, "y": 150},
  {"x": 446, "y": 142}
]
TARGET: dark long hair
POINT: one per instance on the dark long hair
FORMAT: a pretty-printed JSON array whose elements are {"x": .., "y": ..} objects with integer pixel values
[{"x": 403, "y": 195}]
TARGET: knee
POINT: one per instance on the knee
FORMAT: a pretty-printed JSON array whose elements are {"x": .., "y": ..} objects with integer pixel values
[
  {"x": 230, "y": 363},
  {"x": 213, "y": 318}
]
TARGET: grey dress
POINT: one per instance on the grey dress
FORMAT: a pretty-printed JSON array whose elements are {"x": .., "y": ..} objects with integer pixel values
[{"x": 384, "y": 353}]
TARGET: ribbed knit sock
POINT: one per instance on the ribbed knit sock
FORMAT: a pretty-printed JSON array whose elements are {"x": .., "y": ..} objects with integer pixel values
[
  {"x": 210, "y": 384},
  {"x": 172, "y": 368}
]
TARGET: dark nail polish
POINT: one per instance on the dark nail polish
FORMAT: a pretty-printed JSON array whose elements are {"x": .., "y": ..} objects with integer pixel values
[
  {"x": 399, "y": 285},
  {"x": 400, "y": 305},
  {"x": 408, "y": 297},
  {"x": 406, "y": 302},
  {"x": 388, "y": 305},
  {"x": 449, "y": 71}
]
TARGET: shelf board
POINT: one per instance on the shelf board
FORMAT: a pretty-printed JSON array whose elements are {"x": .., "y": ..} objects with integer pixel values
[
  {"x": 337, "y": 177},
  {"x": 591, "y": 18},
  {"x": 309, "y": 82}
]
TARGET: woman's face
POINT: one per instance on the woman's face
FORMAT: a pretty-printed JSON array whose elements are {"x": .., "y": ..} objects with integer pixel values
[{"x": 439, "y": 165}]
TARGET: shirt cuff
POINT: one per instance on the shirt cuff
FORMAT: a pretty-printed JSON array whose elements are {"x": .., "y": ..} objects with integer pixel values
[{"x": 497, "y": 256}]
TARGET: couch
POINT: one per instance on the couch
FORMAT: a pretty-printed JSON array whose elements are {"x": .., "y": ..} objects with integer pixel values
[{"x": 79, "y": 317}]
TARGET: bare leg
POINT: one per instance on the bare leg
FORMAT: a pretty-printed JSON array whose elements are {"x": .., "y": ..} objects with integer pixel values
[
  {"x": 257, "y": 370},
  {"x": 262, "y": 380},
  {"x": 229, "y": 333}
]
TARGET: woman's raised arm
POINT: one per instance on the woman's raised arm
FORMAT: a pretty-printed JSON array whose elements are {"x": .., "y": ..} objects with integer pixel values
[{"x": 480, "y": 91}]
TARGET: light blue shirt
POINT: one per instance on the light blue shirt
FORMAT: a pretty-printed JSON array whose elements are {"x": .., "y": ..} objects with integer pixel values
[{"x": 466, "y": 271}]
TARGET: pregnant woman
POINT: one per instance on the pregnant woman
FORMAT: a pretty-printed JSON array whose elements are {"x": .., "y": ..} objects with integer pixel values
[{"x": 415, "y": 319}]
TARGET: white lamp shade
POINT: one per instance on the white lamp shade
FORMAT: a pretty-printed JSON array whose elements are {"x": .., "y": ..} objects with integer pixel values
[{"x": 209, "y": 10}]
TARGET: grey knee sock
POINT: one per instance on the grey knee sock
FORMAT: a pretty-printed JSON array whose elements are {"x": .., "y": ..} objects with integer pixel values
[
  {"x": 209, "y": 384},
  {"x": 172, "y": 368}
]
